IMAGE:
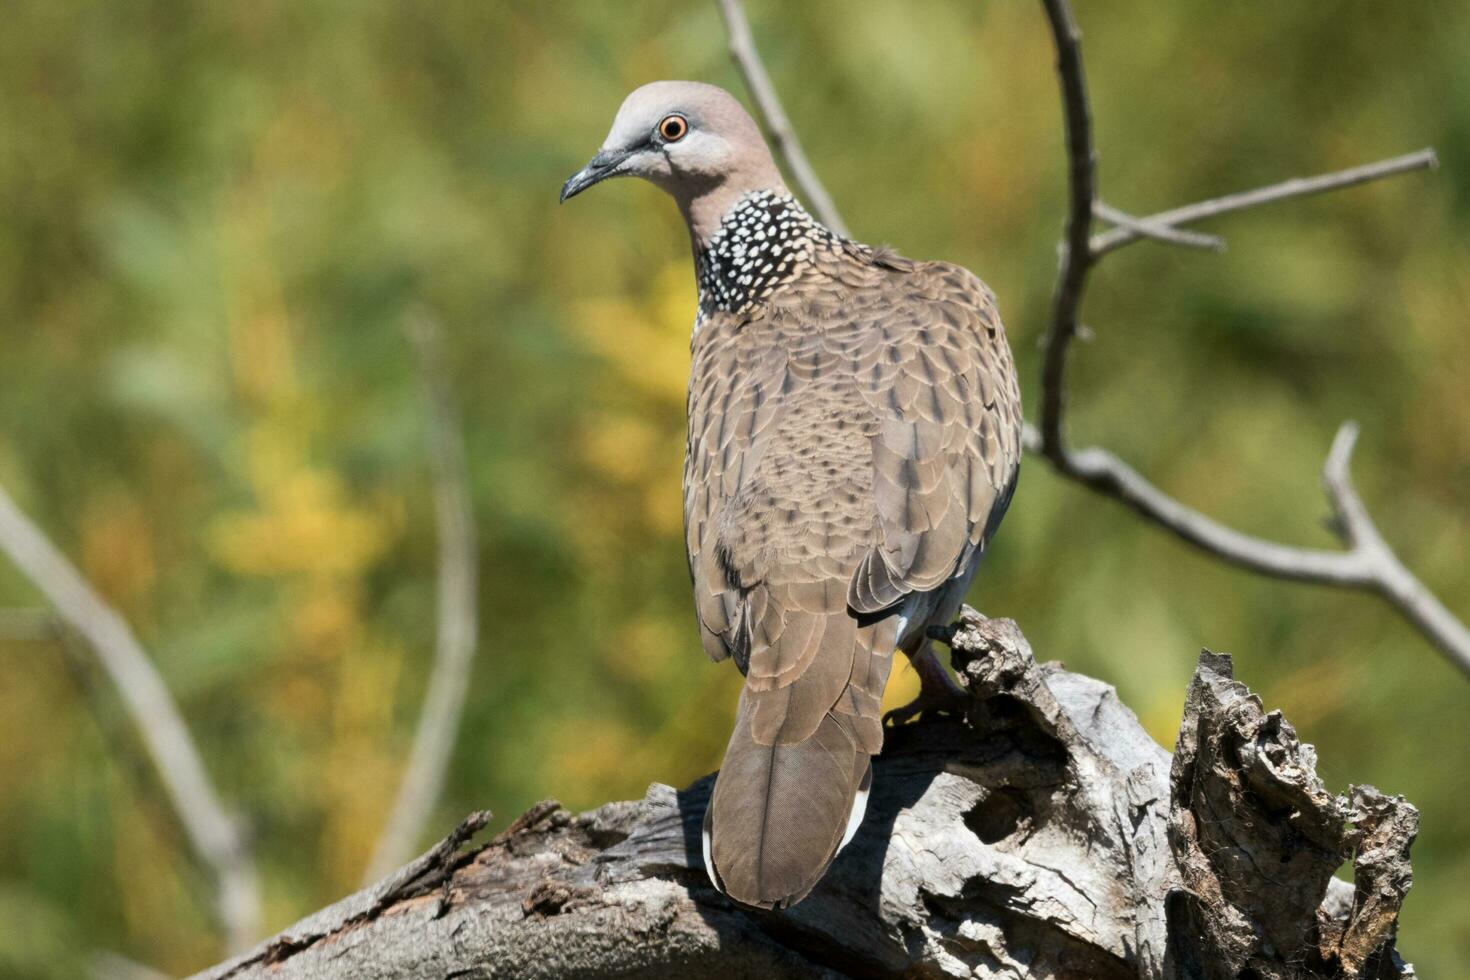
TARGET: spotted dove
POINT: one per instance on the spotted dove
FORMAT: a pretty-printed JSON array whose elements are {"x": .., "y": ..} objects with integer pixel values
[{"x": 854, "y": 438}]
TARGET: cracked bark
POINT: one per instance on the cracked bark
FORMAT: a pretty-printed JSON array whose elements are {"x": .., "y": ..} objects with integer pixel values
[{"x": 1045, "y": 835}]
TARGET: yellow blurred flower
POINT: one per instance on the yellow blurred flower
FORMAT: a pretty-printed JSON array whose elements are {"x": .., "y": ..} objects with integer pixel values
[
  {"x": 305, "y": 523},
  {"x": 647, "y": 340}
]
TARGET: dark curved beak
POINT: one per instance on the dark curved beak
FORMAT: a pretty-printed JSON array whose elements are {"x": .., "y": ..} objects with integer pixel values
[{"x": 607, "y": 163}]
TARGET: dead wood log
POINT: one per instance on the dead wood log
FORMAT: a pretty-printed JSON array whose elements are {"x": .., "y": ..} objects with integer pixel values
[{"x": 1045, "y": 835}]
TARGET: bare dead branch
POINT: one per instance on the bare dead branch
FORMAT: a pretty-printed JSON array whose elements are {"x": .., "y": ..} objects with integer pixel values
[
  {"x": 1388, "y": 575},
  {"x": 1157, "y": 230},
  {"x": 1236, "y": 769},
  {"x": 1048, "y": 835},
  {"x": 217, "y": 837},
  {"x": 1296, "y": 187},
  {"x": 1368, "y": 563},
  {"x": 748, "y": 59},
  {"x": 454, "y": 654},
  {"x": 1074, "y": 257},
  {"x": 1104, "y": 472}
]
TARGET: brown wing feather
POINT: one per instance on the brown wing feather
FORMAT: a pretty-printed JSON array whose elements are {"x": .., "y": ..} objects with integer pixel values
[
  {"x": 735, "y": 393},
  {"x": 949, "y": 437}
]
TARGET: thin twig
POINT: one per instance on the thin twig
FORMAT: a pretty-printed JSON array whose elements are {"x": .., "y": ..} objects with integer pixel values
[
  {"x": 1367, "y": 563},
  {"x": 1104, "y": 472},
  {"x": 216, "y": 836},
  {"x": 1074, "y": 254},
  {"x": 747, "y": 58},
  {"x": 1158, "y": 231},
  {"x": 1390, "y": 578},
  {"x": 1295, "y": 187},
  {"x": 433, "y": 744}
]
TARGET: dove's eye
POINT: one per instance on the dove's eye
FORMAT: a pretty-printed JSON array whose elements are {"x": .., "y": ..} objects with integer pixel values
[{"x": 673, "y": 128}]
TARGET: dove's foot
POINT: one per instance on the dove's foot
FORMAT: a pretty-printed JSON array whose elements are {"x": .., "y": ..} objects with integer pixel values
[{"x": 939, "y": 693}]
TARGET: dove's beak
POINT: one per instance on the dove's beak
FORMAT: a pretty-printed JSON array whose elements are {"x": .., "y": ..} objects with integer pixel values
[{"x": 607, "y": 163}]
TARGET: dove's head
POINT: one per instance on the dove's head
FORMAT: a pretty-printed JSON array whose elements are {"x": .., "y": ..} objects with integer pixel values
[{"x": 693, "y": 140}]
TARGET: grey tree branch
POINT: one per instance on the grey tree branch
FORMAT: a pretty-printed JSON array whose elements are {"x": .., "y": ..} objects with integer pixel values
[
  {"x": 1387, "y": 575},
  {"x": 1046, "y": 836},
  {"x": 1157, "y": 230},
  {"x": 1074, "y": 255},
  {"x": 433, "y": 744},
  {"x": 768, "y": 104},
  {"x": 1368, "y": 563},
  {"x": 1100, "y": 470},
  {"x": 1296, "y": 187},
  {"x": 217, "y": 837}
]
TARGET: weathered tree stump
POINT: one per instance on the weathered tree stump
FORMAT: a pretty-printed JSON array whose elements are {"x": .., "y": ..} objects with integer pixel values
[{"x": 1045, "y": 835}]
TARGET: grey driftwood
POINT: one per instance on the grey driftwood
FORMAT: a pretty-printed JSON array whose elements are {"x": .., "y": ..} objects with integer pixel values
[{"x": 1046, "y": 835}]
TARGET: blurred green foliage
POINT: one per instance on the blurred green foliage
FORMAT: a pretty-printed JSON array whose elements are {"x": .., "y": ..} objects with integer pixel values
[{"x": 216, "y": 216}]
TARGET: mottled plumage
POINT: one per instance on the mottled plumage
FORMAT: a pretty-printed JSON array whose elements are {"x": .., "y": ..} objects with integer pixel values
[{"x": 854, "y": 437}]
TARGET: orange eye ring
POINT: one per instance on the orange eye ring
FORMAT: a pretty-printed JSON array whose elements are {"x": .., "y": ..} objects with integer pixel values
[{"x": 673, "y": 128}]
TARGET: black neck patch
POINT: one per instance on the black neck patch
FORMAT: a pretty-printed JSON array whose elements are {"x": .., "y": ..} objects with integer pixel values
[{"x": 761, "y": 243}]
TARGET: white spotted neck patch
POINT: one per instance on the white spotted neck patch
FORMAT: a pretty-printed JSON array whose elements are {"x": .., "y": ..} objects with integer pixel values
[{"x": 763, "y": 241}]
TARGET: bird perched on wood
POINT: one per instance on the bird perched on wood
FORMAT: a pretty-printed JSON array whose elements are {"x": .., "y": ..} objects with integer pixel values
[{"x": 854, "y": 438}]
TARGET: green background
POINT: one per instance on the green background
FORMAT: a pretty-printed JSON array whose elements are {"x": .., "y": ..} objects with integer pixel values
[{"x": 216, "y": 217}]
